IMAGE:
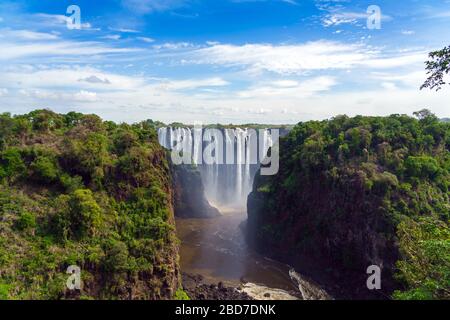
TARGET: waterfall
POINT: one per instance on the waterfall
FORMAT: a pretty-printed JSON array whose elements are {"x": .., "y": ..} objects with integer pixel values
[{"x": 229, "y": 180}]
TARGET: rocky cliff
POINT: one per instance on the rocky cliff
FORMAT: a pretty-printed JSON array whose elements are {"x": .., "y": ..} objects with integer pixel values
[
  {"x": 345, "y": 189},
  {"x": 189, "y": 193}
]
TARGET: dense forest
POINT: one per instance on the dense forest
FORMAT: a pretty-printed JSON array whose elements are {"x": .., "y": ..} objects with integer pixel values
[
  {"x": 75, "y": 190},
  {"x": 355, "y": 192}
]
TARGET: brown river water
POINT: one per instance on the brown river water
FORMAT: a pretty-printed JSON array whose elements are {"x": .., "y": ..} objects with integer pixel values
[{"x": 216, "y": 249}]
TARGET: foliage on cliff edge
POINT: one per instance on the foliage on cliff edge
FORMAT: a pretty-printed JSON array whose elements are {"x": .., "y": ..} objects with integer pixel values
[
  {"x": 75, "y": 190},
  {"x": 352, "y": 192}
]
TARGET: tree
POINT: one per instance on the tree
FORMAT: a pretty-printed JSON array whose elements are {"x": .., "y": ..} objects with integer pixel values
[
  {"x": 44, "y": 169},
  {"x": 437, "y": 67},
  {"x": 425, "y": 268},
  {"x": 424, "y": 114}
]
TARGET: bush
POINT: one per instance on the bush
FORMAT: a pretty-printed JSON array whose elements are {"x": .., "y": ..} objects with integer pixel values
[
  {"x": 4, "y": 291},
  {"x": 116, "y": 256},
  {"x": 422, "y": 167},
  {"x": 26, "y": 221},
  {"x": 180, "y": 294},
  {"x": 11, "y": 164},
  {"x": 85, "y": 213},
  {"x": 425, "y": 268},
  {"x": 78, "y": 216},
  {"x": 70, "y": 184},
  {"x": 45, "y": 169}
]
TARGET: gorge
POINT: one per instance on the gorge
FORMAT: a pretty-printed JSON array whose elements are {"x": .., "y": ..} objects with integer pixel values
[{"x": 215, "y": 246}]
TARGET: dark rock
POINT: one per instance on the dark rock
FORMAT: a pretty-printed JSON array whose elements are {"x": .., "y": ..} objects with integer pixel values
[
  {"x": 189, "y": 193},
  {"x": 200, "y": 290}
]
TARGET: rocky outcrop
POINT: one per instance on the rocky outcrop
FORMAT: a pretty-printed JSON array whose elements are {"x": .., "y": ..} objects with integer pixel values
[
  {"x": 189, "y": 193},
  {"x": 198, "y": 289}
]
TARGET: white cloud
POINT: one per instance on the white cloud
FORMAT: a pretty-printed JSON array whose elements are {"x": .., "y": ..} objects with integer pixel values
[
  {"x": 397, "y": 61},
  {"x": 173, "y": 46},
  {"x": 3, "y": 92},
  {"x": 124, "y": 30},
  {"x": 408, "y": 32},
  {"x": 112, "y": 37},
  {"x": 192, "y": 84},
  {"x": 288, "y": 88},
  {"x": 284, "y": 59},
  {"x": 80, "y": 96},
  {"x": 339, "y": 18},
  {"x": 59, "y": 20},
  {"x": 13, "y": 50},
  {"x": 146, "y": 39},
  {"x": 85, "y": 96},
  {"x": 28, "y": 35},
  {"x": 147, "y": 6},
  {"x": 412, "y": 80},
  {"x": 82, "y": 78},
  {"x": 52, "y": 19}
]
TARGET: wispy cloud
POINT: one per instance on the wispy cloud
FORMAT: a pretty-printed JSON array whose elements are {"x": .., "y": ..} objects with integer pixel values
[
  {"x": 28, "y": 35},
  {"x": 124, "y": 30},
  {"x": 284, "y": 59},
  {"x": 112, "y": 37},
  {"x": 146, "y": 39},
  {"x": 408, "y": 32},
  {"x": 289, "y": 88},
  {"x": 174, "y": 45},
  {"x": 58, "y": 20},
  {"x": 14, "y": 50},
  {"x": 148, "y": 6},
  {"x": 193, "y": 84},
  {"x": 339, "y": 18}
]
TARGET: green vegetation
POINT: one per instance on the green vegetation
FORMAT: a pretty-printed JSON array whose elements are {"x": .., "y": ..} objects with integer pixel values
[
  {"x": 425, "y": 246},
  {"x": 75, "y": 190},
  {"x": 180, "y": 294},
  {"x": 352, "y": 192}
]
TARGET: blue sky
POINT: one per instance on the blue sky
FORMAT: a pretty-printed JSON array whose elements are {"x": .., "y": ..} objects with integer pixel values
[{"x": 227, "y": 61}]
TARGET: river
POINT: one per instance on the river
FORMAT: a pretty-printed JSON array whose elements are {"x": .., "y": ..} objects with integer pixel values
[{"x": 216, "y": 249}]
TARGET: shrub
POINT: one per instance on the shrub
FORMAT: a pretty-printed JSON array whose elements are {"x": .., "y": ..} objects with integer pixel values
[
  {"x": 4, "y": 291},
  {"x": 425, "y": 268},
  {"x": 45, "y": 169},
  {"x": 116, "y": 256},
  {"x": 26, "y": 221},
  {"x": 180, "y": 294},
  {"x": 85, "y": 213},
  {"x": 422, "y": 167},
  {"x": 11, "y": 163}
]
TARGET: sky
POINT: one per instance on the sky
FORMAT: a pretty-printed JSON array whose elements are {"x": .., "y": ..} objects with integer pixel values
[{"x": 221, "y": 61}]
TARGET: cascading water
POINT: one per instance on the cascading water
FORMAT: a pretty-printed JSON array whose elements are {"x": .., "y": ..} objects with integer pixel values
[{"x": 228, "y": 180}]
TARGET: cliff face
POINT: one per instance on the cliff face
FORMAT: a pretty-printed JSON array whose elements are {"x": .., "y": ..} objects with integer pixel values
[
  {"x": 189, "y": 193},
  {"x": 77, "y": 191},
  {"x": 344, "y": 186}
]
